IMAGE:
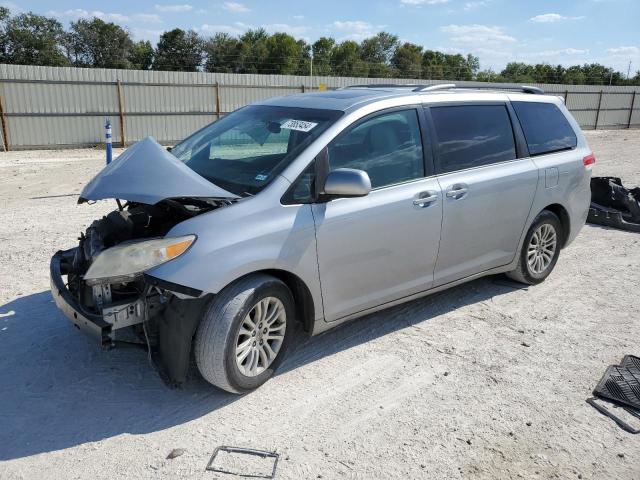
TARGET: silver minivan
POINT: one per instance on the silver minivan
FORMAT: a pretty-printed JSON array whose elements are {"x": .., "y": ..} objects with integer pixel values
[{"x": 319, "y": 208}]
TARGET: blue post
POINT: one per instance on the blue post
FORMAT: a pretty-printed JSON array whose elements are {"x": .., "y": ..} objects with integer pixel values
[{"x": 107, "y": 127}]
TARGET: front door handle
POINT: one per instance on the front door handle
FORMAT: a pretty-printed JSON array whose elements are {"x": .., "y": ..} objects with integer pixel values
[
  {"x": 457, "y": 191},
  {"x": 424, "y": 199}
]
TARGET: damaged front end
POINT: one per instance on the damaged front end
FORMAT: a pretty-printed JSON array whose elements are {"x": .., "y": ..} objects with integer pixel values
[{"x": 107, "y": 293}]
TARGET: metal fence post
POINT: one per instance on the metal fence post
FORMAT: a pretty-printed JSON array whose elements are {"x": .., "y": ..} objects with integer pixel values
[
  {"x": 566, "y": 95},
  {"x": 598, "y": 111},
  {"x": 218, "y": 100},
  {"x": 123, "y": 139},
  {"x": 5, "y": 127},
  {"x": 633, "y": 101}
]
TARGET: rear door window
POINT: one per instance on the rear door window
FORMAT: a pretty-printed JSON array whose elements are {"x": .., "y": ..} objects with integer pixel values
[
  {"x": 470, "y": 136},
  {"x": 545, "y": 127}
]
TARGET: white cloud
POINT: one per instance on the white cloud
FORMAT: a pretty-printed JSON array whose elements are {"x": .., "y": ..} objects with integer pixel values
[
  {"x": 477, "y": 4},
  {"x": 77, "y": 13},
  {"x": 146, "y": 34},
  {"x": 423, "y": 2},
  {"x": 147, "y": 18},
  {"x": 13, "y": 7},
  {"x": 235, "y": 7},
  {"x": 559, "y": 53},
  {"x": 630, "y": 51},
  {"x": 477, "y": 34},
  {"x": 235, "y": 29},
  {"x": 283, "y": 27},
  {"x": 184, "y": 7},
  {"x": 355, "y": 29},
  {"x": 298, "y": 17},
  {"x": 552, "y": 18}
]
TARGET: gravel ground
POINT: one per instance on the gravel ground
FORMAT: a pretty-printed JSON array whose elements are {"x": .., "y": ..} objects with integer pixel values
[{"x": 481, "y": 381}]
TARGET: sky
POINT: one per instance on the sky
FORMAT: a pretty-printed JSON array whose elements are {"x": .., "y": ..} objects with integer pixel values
[{"x": 498, "y": 31}]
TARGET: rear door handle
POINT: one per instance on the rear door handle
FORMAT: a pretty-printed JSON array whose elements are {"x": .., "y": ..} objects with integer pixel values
[
  {"x": 457, "y": 191},
  {"x": 424, "y": 199}
]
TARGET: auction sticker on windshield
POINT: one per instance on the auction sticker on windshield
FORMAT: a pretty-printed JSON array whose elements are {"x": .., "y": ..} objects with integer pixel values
[{"x": 299, "y": 125}]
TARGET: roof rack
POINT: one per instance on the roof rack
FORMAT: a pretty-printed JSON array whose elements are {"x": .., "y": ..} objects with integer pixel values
[
  {"x": 384, "y": 85},
  {"x": 450, "y": 86},
  {"x": 432, "y": 88},
  {"x": 447, "y": 86}
]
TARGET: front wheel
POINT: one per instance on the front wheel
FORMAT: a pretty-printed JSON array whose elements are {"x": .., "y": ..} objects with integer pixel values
[
  {"x": 540, "y": 249},
  {"x": 244, "y": 333}
]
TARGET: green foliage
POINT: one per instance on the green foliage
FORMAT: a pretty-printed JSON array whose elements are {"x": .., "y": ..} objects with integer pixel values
[
  {"x": 407, "y": 61},
  {"x": 96, "y": 43},
  {"x": 284, "y": 54},
  {"x": 178, "y": 50},
  {"x": 32, "y": 39},
  {"x": 322, "y": 49},
  {"x": 221, "y": 52},
  {"x": 141, "y": 55}
]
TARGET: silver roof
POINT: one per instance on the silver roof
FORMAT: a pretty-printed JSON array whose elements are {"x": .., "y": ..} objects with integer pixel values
[{"x": 350, "y": 99}]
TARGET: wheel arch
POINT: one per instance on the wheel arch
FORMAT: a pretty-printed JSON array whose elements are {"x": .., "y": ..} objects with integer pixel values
[
  {"x": 561, "y": 212},
  {"x": 303, "y": 299}
]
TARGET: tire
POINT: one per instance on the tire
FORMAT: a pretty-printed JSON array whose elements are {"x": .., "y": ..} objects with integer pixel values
[
  {"x": 222, "y": 333},
  {"x": 530, "y": 274}
]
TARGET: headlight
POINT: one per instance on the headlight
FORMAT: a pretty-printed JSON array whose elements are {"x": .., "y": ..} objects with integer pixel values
[{"x": 124, "y": 262}]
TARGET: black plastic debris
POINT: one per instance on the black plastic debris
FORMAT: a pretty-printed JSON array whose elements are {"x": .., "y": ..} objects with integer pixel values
[
  {"x": 176, "y": 452},
  {"x": 244, "y": 462},
  {"x": 620, "y": 385},
  {"x": 614, "y": 205}
]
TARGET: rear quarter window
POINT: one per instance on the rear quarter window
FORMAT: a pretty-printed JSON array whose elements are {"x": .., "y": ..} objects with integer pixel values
[{"x": 545, "y": 127}]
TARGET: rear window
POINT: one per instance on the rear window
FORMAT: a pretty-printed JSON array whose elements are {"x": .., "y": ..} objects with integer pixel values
[
  {"x": 472, "y": 136},
  {"x": 545, "y": 127}
]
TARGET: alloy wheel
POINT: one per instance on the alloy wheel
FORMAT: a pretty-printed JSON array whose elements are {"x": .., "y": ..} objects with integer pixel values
[
  {"x": 260, "y": 336},
  {"x": 542, "y": 248}
]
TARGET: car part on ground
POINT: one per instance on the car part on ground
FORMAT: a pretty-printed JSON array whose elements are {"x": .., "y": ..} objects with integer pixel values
[
  {"x": 613, "y": 205},
  {"x": 243, "y": 456},
  {"x": 620, "y": 385}
]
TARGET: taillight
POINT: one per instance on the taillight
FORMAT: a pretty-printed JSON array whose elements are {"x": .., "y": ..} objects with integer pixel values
[{"x": 589, "y": 160}]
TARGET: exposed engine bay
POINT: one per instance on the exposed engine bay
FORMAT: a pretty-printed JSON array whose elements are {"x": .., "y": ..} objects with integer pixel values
[{"x": 135, "y": 310}]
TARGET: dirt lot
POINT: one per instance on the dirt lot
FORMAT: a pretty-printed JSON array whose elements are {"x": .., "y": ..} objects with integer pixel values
[{"x": 482, "y": 381}]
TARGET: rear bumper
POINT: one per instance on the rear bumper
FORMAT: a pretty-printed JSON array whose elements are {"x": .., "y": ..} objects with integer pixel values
[{"x": 90, "y": 323}]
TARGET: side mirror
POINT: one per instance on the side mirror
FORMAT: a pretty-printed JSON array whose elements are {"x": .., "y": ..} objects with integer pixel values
[{"x": 347, "y": 182}]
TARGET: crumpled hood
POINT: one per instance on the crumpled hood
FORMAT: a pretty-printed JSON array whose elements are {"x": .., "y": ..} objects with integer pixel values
[{"x": 147, "y": 173}]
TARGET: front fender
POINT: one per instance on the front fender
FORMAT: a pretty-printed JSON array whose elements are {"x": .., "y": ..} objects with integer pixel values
[{"x": 244, "y": 238}]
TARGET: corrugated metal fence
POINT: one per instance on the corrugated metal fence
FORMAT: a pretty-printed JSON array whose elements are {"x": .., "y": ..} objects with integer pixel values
[{"x": 57, "y": 107}]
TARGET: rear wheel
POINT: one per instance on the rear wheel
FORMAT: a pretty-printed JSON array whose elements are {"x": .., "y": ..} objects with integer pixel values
[
  {"x": 540, "y": 249},
  {"x": 244, "y": 333}
]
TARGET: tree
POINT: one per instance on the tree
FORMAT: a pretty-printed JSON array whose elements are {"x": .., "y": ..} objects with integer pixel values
[
  {"x": 283, "y": 54},
  {"x": 322, "y": 55},
  {"x": 517, "y": 72},
  {"x": 178, "y": 50},
  {"x": 433, "y": 65},
  {"x": 141, "y": 55},
  {"x": 377, "y": 52},
  {"x": 407, "y": 60},
  {"x": 345, "y": 60},
  {"x": 252, "y": 51},
  {"x": 304, "y": 65},
  {"x": 96, "y": 43},
  {"x": 32, "y": 39},
  {"x": 221, "y": 52}
]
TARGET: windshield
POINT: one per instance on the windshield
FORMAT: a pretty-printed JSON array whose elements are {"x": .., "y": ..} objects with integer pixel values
[{"x": 246, "y": 149}]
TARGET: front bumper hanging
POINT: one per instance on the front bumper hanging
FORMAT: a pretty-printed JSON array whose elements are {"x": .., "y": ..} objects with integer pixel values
[{"x": 90, "y": 323}]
